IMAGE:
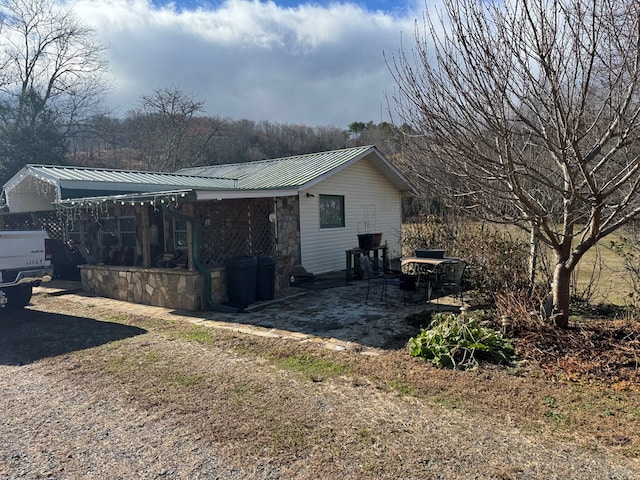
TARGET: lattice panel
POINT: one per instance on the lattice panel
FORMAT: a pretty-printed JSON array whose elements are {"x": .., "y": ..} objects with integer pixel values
[
  {"x": 236, "y": 227},
  {"x": 48, "y": 221},
  {"x": 18, "y": 221},
  {"x": 52, "y": 223}
]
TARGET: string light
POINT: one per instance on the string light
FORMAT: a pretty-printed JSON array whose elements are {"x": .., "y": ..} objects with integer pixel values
[{"x": 102, "y": 206}]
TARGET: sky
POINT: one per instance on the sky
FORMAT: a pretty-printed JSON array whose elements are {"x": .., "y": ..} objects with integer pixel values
[{"x": 315, "y": 63}]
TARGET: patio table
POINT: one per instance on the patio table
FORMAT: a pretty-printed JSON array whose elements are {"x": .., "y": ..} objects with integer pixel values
[{"x": 429, "y": 267}]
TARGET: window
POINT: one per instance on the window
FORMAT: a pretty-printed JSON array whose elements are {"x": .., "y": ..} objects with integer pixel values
[
  {"x": 109, "y": 233},
  {"x": 118, "y": 232},
  {"x": 179, "y": 234},
  {"x": 331, "y": 211},
  {"x": 128, "y": 231}
]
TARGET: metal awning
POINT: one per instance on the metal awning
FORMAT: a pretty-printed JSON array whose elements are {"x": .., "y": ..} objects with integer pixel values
[{"x": 149, "y": 198}]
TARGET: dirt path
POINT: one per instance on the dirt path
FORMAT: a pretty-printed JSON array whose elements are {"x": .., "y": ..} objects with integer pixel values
[{"x": 94, "y": 399}]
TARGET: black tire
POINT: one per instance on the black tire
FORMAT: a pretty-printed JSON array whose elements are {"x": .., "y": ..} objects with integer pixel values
[{"x": 18, "y": 296}]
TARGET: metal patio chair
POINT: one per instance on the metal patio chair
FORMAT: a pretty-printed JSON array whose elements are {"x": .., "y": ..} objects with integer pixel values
[
  {"x": 451, "y": 279},
  {"x": 375, "y": 275}
]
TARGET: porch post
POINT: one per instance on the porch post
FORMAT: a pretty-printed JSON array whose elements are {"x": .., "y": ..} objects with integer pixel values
[
  {"x": 188, "y": 210},
  {"x": 146, "y": 237}
]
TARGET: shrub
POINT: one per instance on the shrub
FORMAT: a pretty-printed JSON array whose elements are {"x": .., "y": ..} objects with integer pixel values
[
  {"x": 460, "y": 341},
  {"x": 524, "y": 310}
]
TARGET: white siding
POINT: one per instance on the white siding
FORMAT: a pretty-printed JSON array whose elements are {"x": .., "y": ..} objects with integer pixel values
[{"x": 368, "y": 194}]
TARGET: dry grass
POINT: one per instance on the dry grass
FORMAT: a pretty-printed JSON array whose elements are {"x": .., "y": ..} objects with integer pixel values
[
  {"x": 602, "y": 265},
  {"x": 315, "y": 413},
  {"x": 600, "y": 271}
]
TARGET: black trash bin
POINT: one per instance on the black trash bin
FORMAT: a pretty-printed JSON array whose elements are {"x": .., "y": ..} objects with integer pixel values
[
  {"x": 266, "y": 279},
  {"x": 241, "y": 280}
]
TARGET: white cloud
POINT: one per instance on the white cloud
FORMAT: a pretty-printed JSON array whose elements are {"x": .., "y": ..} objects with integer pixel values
[{"x": 317, "y": 65}]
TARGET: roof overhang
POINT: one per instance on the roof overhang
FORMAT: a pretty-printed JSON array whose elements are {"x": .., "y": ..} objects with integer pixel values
[
  {"x": 25, "y": 172},
  {"x": 169, "y": 197},
  {"x": 239, "y": 194}
]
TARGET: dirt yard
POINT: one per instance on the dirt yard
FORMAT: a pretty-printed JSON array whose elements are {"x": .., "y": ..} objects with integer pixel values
[{"x": 91, "y": 391}]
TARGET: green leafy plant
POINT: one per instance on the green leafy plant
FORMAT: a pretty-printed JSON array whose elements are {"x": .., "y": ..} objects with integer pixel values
[{"x": 460, "y": 341}]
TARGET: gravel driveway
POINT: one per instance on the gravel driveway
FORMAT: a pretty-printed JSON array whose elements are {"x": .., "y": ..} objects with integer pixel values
[{"x": 51, "y": 429}]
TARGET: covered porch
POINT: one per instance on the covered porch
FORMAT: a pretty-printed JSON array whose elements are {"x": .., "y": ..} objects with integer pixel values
[{"x": 170, "y": 249}]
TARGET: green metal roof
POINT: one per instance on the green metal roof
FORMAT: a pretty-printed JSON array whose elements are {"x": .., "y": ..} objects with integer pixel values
[
  {"x": 103, "y": 178},
  {"x": 287, "y": 172}
]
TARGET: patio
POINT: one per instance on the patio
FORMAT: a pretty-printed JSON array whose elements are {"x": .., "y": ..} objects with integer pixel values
[{"x": 331, "y": 312}]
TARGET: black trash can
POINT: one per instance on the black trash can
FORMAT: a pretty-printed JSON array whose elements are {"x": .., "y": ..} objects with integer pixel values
[
  {"x": 266, "y": 279},
  {"x": 241, "y": 280}
]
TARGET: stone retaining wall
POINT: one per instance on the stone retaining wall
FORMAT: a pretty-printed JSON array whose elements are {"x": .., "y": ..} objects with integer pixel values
[{"x": 161, "y": 287}]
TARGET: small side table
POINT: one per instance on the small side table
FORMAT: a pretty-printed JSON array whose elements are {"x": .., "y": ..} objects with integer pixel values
[{"x": 353, "y": 255}]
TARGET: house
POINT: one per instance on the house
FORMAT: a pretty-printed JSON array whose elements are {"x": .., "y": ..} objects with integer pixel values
[{"x": 165, "y": 238}]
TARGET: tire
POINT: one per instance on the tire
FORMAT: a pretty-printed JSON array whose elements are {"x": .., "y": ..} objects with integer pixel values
[{"x": 18, "y": 296}]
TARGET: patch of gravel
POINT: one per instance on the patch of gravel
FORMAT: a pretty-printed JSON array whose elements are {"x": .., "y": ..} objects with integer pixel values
[{"x": 53, "y": 429}]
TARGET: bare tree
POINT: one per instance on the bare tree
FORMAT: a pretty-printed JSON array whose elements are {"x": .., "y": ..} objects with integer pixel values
[
  {"x": 167, "y": 131},
  {"x": 46, "y": 51},
  {"x": 51, "y": 78},
  {"x": 527, "y": 112}
]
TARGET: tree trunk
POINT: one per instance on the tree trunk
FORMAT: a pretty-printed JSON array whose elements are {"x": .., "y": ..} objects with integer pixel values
[
  {"x": 561, "y": 297},
  {"x": 533, "y": 256}
]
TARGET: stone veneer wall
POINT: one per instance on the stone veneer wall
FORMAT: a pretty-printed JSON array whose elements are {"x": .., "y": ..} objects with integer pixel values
[
  {"x": 161, "y": 287},
  {"x": 219, "y": 285},
  {"x": 288, "y": 242},
  {"x": 165, "y": 287}
]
